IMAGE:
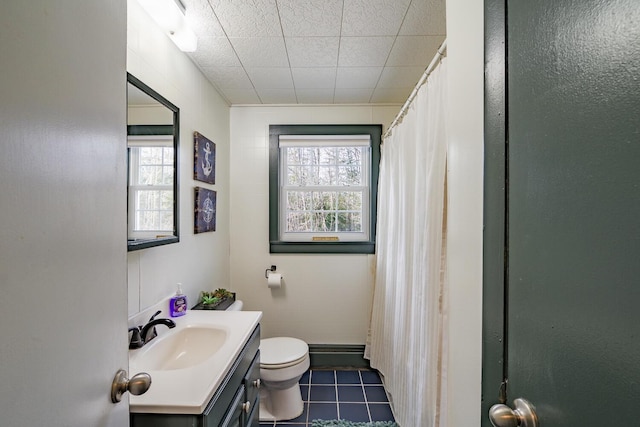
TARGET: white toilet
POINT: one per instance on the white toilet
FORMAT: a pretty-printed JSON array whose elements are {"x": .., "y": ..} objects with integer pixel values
[{"x": 283, "y": 360}]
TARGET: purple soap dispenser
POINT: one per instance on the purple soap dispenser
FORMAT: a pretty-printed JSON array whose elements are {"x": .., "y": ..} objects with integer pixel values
[{"x": 178, "y": 303}]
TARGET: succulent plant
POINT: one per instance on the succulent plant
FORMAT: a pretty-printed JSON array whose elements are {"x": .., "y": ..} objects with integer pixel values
[
  {"x": 208, "y": 298},
  {"x": 222, "y": 293},
  {"x": 213, "y": 298}
]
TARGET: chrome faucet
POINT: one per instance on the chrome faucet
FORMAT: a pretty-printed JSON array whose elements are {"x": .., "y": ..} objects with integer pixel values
[{"x": 143, "y": 334}]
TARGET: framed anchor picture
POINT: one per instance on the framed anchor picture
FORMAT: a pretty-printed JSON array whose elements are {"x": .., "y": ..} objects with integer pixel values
[
  {"x": 204, "y": 163},
  {"x": 205, "y": 210}
]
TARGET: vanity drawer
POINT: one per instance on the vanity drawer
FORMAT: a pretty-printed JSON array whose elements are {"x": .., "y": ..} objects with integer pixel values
[
  {"x": 253, "y": 419},
  {"x": 252, "y": 381},
  {"x": 235, "y": 415}
]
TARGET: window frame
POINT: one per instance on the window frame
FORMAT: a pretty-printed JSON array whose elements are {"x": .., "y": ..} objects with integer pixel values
[
  {"x": 141, "y": 141},
  {"x": 276, "y": 245}
]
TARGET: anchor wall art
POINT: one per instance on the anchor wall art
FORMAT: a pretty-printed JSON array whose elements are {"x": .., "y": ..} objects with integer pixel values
[
  {"x": 205, "y": 210},
  {"x": 204, "y": 163}
]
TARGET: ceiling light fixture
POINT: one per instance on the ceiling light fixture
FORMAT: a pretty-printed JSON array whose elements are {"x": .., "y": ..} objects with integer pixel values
[{"x": 170, "y": 16}]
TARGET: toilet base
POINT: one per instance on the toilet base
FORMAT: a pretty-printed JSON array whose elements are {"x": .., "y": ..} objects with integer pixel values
[{"x": 281, "y": 405}]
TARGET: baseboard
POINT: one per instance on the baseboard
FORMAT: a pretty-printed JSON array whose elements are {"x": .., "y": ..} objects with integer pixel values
[{"x": 337, "y": 356}]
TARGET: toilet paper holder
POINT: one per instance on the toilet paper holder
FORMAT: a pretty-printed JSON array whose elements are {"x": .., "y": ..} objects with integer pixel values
[{"x": 266, "y": 272}]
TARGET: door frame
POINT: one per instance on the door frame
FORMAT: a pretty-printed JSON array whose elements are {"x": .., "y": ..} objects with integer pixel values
[{"x": 495, "y": 210}]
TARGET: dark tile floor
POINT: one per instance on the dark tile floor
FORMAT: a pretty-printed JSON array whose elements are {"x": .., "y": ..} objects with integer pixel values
[{"x": 346, "y": 395}]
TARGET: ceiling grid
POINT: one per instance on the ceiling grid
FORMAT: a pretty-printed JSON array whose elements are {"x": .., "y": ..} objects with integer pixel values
[{"x": 315, "y": 51}]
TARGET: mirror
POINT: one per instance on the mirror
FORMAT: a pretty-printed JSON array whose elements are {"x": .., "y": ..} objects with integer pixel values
[{"x": 152, "y": 172}]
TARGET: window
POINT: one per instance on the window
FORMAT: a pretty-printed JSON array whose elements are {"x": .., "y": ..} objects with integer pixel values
[
  {"x": 323, "y": 186},
  {"x": 151, "y": 186}
]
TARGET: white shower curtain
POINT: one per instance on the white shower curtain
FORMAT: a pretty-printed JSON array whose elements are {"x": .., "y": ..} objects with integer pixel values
[{"x": 407, "y": 341}]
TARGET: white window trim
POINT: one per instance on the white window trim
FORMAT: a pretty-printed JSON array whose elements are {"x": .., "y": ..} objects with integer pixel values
[
  {"x": 134, "y": 165},
  {"x": 305, "y": 141}
]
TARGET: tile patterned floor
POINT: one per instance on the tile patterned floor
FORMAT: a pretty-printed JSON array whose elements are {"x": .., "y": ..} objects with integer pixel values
[{"x": 346, "y": 395}]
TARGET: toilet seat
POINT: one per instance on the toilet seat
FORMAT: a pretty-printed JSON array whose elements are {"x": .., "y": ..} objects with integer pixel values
[{"x": 282, "y": 352}]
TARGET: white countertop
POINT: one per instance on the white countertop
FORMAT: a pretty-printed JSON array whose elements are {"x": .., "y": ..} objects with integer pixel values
[{"x": 189, "y": 390}]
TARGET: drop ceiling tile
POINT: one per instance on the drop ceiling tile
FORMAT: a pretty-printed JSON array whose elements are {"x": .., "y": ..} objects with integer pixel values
[
  {"x": 321, "y": 47},
  {"x": 358, "y": 77},
  {"x": 425, "y": 18},
  {"x": 277, "y": 96},
  {"x": 400, "y": 77},
  {"x": 270, "y": 78},
  {"x": 310, "y": 17},
  {"x": 241, "y": 96},
  {"x": 364, "y": 51},
  {"x": 228, "y": 77},
  {"x": 314, "y": 78},
  {"x": 414, "y": 50},
  {"x": 215, "y": 52},
  {"x": 260, "y": 51},
  {"x": 391, "y": 96},
  {"x": 352, "y": 96},
  {"x": 254, "y": 18},
  {"x": 312, "y": 51},
  {"x": 373, "y": 17},
  {"x": 201, "y": 19},
  {"x": 315, "y": 96}
]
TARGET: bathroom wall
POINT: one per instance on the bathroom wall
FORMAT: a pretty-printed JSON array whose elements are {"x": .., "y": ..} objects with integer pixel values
[
  {"x": 325, "y": 299},
  {"x": 199, "y": 262},
  {"x": 465, "y": 53}
]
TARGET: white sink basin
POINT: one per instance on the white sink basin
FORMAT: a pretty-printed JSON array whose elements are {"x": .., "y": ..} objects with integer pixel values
[
  {"x": 188, "y": 363},
  {"x": 183, "y": 348}
]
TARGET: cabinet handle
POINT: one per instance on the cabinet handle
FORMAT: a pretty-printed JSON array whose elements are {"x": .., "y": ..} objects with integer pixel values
[
  {"x": 257, "y": 383},
  {"x": 246, "y": 407}
]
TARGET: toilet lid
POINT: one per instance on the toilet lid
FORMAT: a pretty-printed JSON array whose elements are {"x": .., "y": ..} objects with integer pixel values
[{"x": 282, "y": 350}]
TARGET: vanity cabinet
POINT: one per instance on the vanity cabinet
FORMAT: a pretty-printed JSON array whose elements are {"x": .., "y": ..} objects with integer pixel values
[{"x": 235, "y": 403}]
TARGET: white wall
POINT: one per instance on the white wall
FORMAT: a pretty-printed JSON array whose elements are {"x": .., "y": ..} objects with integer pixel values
[
  {"x": 326, "y": 299},
  {"x": 199, "y": 262},
  {"x": 465, "y": 53}
]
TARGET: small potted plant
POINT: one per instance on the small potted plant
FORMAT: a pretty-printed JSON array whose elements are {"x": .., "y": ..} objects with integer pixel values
[
  {"x": 222, "y": 293},
  {"x": 208, "y": 298},
  {"x": 219, "y": 299}
]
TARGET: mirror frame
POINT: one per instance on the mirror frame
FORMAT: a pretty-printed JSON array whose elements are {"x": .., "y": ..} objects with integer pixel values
[{"x": 134, "y": 245}]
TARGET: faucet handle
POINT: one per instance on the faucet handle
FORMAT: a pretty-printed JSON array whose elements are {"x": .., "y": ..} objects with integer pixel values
[
  {"x": 152, "y": 333},
  {"x": 136, "y": 339}
]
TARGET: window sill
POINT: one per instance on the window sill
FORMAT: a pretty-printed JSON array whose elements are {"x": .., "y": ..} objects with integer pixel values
[
  {"x": 279, "y": 247},
  {"x": 137, "y": 244}
]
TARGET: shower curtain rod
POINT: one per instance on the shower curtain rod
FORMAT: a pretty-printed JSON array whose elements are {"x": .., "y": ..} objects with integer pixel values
[{"x": 436, "y": 59}]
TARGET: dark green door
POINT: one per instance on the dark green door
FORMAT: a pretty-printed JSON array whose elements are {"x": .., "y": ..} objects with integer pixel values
[{"x": 573, "y": 210}]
